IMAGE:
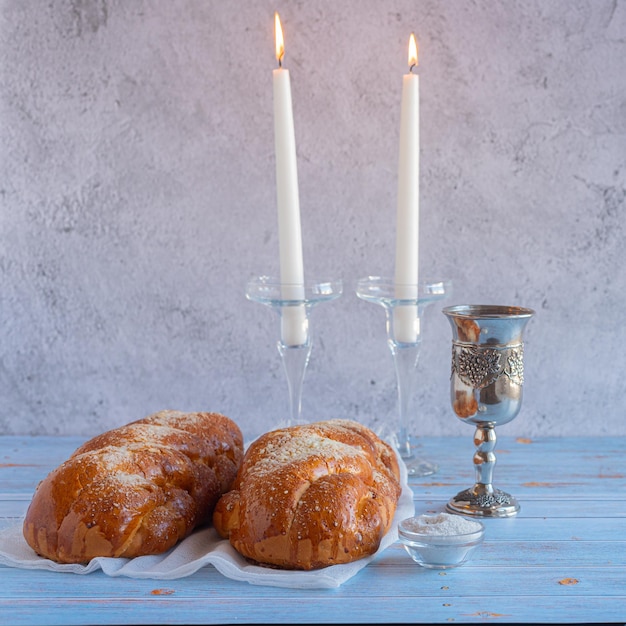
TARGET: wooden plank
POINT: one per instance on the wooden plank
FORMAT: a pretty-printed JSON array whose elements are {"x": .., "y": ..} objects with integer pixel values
[
  {"x": 529, "y": 532},
  {"x": 538, "y": 529},
  {"x": 390, "y": 576},
  {"x": 551, "y": 553},
  {"x": 165, "y": 605},
  {"x": 561, "y": 468},
  {"x": 580, "y": 508},
  {"x": 25, "y": 461},
  {"x": 451, "y": 452},
  {"x": 168, "y": 609},
  {"x": 14, "y": 507}
]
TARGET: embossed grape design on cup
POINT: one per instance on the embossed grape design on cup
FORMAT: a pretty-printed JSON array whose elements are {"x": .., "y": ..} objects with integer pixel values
[{"x": 486, "y": 388}]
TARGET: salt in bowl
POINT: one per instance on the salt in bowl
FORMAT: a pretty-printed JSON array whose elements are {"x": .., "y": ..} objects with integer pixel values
[{"x": 440, "y": 541}]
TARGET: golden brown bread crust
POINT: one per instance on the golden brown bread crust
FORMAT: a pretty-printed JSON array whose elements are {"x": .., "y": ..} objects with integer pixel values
[
  {"x": 311, "y": 496},
  {"x": 135, "y": 490}
]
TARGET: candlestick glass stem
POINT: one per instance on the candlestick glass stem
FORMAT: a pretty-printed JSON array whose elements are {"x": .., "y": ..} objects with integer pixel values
[
  {"x": 295, "y": 360},
  {"x": 294, "y": 304},
  {"x": 404, "y": 307}
]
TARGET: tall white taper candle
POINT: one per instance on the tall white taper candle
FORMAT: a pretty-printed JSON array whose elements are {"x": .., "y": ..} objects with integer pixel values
[
  {"x": 293, "y": 318},
  {"x": 406, "y": 321}
]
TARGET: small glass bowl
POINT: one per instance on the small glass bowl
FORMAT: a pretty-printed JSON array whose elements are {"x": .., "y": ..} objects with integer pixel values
[{"x": 437, "y": 551}]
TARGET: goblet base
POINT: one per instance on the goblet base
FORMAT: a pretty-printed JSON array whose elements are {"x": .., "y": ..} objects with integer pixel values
[
  {"x": 484, "y": 501},
  {"x": 415, "y": 465},
  {"x": 420, "y": 467}
]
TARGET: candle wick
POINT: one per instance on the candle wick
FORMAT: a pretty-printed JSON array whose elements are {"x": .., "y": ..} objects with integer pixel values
[
  {"x": 280, "y": 62},
  {"x": 411, "y": 68}
]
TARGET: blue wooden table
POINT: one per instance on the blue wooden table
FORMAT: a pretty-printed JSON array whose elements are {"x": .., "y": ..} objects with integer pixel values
[{"x": 561, "y": 560}]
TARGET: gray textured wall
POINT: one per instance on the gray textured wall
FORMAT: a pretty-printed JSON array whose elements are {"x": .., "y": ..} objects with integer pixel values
[{"x": 137, "y": 197}]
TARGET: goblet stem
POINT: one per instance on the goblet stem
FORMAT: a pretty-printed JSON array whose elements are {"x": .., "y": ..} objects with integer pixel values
[
  {"x": 295, "y": 360},
  {"x": 484, "y": 457},
  {"x": 483, "y": 499}
]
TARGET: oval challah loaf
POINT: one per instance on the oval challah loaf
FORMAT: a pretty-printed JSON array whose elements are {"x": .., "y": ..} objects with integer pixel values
[
  {"x": 135, "y": 490},
  {"x": 311, "y": 496}
]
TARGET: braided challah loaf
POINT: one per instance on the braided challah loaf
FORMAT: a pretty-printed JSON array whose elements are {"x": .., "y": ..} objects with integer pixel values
[
  {"x": 311, "y": 496},
  {"x": 135, "y": 490}
]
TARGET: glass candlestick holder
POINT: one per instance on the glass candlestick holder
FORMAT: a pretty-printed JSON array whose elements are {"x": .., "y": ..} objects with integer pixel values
[
  {"x": 293, "y": 303},
  {"x": 404, "y": 307}
]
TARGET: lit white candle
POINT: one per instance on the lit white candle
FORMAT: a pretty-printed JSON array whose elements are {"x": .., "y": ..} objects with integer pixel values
[
  {"x": 293, "y": 319},
  {"x": 406, "y": 321}
]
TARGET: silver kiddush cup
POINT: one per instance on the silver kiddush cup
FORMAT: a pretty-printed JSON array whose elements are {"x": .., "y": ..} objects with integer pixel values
[{"x": 486, "y": 390}]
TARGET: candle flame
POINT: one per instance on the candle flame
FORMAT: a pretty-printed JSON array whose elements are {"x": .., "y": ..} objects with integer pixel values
[
  {"x": 280, "y": 41},
  {"x": 412, "y": 51}
]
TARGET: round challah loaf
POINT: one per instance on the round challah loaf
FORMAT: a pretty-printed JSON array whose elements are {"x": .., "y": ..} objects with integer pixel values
[
  {"x": 135, "y": 490},
  {"x": 309, "y": 496}
]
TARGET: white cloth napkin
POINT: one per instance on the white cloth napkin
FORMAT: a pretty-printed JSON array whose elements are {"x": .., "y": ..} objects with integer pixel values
[{"x": 201, "y": 548}]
